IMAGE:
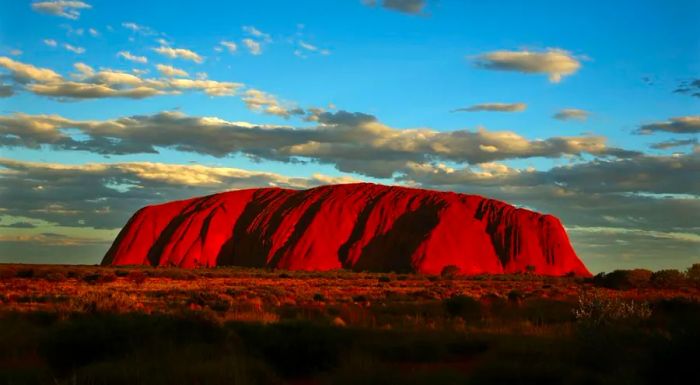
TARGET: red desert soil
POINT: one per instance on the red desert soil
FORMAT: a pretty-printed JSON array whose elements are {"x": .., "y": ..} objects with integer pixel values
[{"x": 363, "y": 227}]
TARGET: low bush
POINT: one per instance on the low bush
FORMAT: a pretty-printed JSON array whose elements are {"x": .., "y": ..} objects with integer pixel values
[
  {"x": 693, "y": 273},
  {"x": 25, "y": 273},
  {"x": 97, "y": 278},
  {"x": 624, "y": 279},
  {"x": 318, "y": 297},
  {"x": 450, "y": 271},
  {"x": 670, "y": 279},
  {"x": 294, "y": 349},
  {"x": 463, "y": 306},
  {"x": 595, "y": 309}
]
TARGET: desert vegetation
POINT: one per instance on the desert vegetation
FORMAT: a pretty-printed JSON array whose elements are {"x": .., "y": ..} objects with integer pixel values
[{"x": 138, "y": 325}]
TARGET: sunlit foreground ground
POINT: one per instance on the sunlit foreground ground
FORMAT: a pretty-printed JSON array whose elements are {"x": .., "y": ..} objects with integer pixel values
[{"x": 95, "y": 325}]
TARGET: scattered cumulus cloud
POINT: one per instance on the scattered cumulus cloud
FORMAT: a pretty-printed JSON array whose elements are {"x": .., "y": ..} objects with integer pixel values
[
  {"x": 252, "y": 31},
  {"x": 305, "y": 48},
  {"x": 134, "y": 58},
  {"x": 254, "y": 43},
  {"x": 253, "y": 46},
  {"x": 571, "y": 114},
  {"x": 138, "y": 28},
  {"x": 179, "y": 53},
  {"x": 689, "y": 87},
  {"x": 673, "y": 143},
  {"x": 555, "y": 63},
  {"x": 87, "y": 83},
  {"x": 74, "y": 49},
  {"x": 27, "y": 73},
  {"x": 62, "y": 8},
  {"x": 260, "y": 101},
  {"x": 50, "y": 42},
  {"x": 678, "y": 125},
  {"x": 411, "y": 7},
  {"x": 170, "y": 71},
  {"x": 494, "y": 107},
  {"x": 230, "y": 46}
]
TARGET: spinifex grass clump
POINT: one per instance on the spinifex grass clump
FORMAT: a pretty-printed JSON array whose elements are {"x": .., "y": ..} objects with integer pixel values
[{"x": 595, "y": 309}]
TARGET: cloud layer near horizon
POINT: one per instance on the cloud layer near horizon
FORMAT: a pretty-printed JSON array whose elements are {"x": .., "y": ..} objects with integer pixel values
[{"x": 352, "y": 142}]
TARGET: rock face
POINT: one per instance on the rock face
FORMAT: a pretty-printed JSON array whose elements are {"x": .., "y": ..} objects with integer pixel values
[{"x": 353, "y": 226}]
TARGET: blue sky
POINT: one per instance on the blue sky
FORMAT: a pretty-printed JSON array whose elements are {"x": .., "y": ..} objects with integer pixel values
[{"x": 407, "y": 63}]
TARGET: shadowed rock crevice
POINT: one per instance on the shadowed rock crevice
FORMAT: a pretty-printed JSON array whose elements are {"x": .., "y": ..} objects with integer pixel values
[
  {"x": 393, "y": 250},
  {"x": 358, "y": 230}
]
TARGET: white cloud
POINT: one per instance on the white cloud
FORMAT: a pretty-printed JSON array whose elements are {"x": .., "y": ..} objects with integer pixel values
[
  {"x": 84, "y": 70},
  {"x": 94, "y": 32},
  {"x": 137, "y": 28},
  {"x": 210, "y": 87},
  {"x": 74, "y": 49},
  {"x": 90, "y": 84},
  {"x": 257, "y": 100},
  {"x": 62, "y": 8},
  {"x": 50, "y": 42},
  {"x": 181, "y": 53},
  {"x": 170, "y": 71},
  {"x": 253, "y": 46},
  {"x": 27, "y": 72},
  {"x": 556, "y": 63},
  {"x": 252, "y": 31},
  {"x": 128, "y": 56},
  {"x": 230, "y": 46},
  {"x": 307, "y": 47}
]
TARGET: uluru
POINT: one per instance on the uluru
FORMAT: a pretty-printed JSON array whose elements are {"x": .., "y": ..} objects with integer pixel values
[{"x": 362, "y": 227}]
